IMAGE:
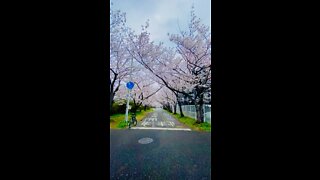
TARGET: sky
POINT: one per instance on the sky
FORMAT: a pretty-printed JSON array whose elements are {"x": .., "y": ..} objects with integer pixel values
[{"x": 164, "y": 15}]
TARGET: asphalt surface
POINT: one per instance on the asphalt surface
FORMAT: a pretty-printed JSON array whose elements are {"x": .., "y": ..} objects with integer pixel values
[
  {"x": 172, "y": 154},
  {"x": 160, "y": 119}
]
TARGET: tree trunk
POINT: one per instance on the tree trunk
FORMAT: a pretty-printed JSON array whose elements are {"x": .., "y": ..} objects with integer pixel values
[
  {"x": 111, "y": 101},
  {"x": 169, "y": 107},
  {"x": 180, "y": 108},
  {"x": 200, "y": 113},
  {"x": 175, "y": 108},
  {"x": 199, "y": 109}
]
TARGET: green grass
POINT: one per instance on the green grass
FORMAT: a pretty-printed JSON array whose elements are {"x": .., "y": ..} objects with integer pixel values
[
  {"x": 117, "y": 121},
  {"x": 192, "y": 123}
]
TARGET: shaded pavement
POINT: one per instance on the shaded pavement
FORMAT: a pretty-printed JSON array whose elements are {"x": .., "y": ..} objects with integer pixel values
[{"x": 171, "y": 154}]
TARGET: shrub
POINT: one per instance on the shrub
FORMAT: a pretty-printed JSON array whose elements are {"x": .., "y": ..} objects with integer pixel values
[{"x": 118, "y": 108}]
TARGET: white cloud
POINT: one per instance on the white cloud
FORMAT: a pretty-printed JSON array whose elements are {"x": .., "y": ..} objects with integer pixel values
[{"x": 164, "y": 15}]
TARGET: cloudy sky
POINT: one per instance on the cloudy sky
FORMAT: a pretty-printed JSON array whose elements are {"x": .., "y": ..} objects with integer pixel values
[{"x": 164, "y": 15}]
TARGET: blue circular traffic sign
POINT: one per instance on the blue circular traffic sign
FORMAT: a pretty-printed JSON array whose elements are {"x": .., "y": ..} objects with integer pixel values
[{"x": 130, "y": 85}]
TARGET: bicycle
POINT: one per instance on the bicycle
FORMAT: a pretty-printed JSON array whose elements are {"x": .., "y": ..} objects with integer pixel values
[{"x": 133, "y": 120}]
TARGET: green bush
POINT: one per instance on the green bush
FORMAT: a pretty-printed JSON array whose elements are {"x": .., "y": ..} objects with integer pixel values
[{"x": 118, "y": 108}]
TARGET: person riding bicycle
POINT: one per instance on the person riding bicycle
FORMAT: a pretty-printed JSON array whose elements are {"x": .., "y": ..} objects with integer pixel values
[
  {"x": 133, "y": 120},
  {"x": 133, "y": 115}
]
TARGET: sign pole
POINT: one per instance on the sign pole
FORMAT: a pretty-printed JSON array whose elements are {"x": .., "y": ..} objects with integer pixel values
[
  {"x": 130, "y": 85},
  {"x": 127, "y": 107}
]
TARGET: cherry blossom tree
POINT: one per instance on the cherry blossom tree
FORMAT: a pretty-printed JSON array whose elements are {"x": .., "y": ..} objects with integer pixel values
[
  {"x": 184, "y": 70},
  {"x": 122, "y": 68},
  {"x": 155, "y": 58},
  {"x": 186, "y": 73},
  {"x": 119, "y": 57},
  {"x": 144, "y": 89},
  {"x": 167, "y": 99},
  {"x": 194, "y": 47}
]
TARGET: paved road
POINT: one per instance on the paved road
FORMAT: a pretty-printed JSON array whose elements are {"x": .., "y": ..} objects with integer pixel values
[
  {"x": 171, "y": 155},
  {"x": 161, "y": 119},
  {"x": 173, "y": 152}
]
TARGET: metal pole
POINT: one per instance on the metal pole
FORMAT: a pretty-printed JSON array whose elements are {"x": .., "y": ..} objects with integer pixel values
[
  {"x": 128, "y": 95},
  {"x": 127, "y": 107}
]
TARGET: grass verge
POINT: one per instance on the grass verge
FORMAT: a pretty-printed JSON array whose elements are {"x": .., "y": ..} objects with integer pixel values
[
  {"x": 117, "y": 121},
  {"x": 192, "y": 123}
]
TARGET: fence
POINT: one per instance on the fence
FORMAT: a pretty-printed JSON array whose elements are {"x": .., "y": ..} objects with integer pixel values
[{"x": 190, "y": 111}]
